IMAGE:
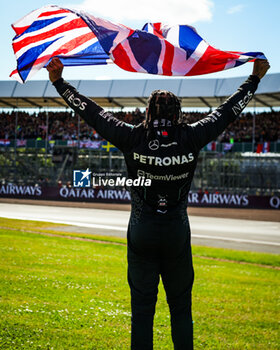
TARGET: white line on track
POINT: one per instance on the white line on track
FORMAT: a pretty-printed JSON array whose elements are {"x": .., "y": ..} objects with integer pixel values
[
  {"x": 202, "y": 228},
  {"x": 69, "y": 222},
  {"x": 124, "y": 228}
]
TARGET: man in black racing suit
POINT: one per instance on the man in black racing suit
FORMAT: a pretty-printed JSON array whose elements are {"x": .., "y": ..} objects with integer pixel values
[{"x": 165, "y": 150}]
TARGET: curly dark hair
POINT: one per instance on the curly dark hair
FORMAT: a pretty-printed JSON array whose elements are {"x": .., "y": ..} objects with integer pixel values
[{"x": 163, "y": 104}]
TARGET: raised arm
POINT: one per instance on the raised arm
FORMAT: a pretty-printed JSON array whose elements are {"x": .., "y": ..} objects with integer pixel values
[
  {"x": 110, "y": 128},
  {"x": 210, "y": 127}
]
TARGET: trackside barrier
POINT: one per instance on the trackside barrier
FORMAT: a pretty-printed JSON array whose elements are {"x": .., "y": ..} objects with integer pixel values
[
  {"x": 196, "y": 199},
  {"x": 240, "y": 147}
]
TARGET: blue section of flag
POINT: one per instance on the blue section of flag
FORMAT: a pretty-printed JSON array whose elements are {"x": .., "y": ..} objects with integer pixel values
[
  {"x": 41, "y": 24},
  {"x": 105, "y": 36},
  {"x": 94, "y": 50},
  {"x": 91, "y": 55},
  {"x": 145, "y": 28},
  {"x": 82, "y": 61},
  {"x": 238, "y": 63},
  {"x": 26, "y": 60},
  {"x": 188, "y": 39},
  {"x": 142, "y": 42},
  {"x": 258, "y": 55}
]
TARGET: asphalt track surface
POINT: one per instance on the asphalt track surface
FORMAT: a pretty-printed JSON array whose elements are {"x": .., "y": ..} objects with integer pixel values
[{"x": 247, "y": 235}]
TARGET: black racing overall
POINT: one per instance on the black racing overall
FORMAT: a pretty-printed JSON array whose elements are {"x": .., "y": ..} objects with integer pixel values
[{"x": 159, "y": 241}]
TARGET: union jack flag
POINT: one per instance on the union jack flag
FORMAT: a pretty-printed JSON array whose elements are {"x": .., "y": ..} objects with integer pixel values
[
  {"x": 263, "y": 148},
  {"x": 79, "y": 38}
]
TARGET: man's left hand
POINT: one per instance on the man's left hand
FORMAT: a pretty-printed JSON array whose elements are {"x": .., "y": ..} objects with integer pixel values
[{"x": 55, "y": 68}]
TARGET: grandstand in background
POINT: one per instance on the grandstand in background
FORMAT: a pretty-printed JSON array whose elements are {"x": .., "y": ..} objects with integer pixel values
[
  {"x": 133, "y": 93},
  {"x": 244, "y": 163}
]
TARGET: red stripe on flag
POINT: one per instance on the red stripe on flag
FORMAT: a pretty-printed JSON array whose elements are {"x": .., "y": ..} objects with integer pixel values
[
  {"x": 50, "y": 13},
  {"x": 157, "y": 29},
  {"x": 45, "y": 58},
  {"x": 14, "y": 72},
  {"x": 212, "y": 60},
  {"x": 63, "y": 50},
  {"x": 72, "y": 44},
  {"x": 19, "y": 30},
  {"x": 168, "y": 59},
  {"x": 76, "y": 23},
  {"x": 121, "y": 58}
]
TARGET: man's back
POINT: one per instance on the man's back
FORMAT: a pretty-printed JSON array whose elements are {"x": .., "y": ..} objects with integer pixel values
[{"x": 167, "y": 158}]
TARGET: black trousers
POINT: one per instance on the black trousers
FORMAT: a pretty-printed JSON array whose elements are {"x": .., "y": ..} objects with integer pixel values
[{"x": 159, "y": 245}]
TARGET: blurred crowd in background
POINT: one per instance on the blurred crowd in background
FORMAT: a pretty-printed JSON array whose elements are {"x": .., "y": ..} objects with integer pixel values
[{"x": 66, "y": 126}]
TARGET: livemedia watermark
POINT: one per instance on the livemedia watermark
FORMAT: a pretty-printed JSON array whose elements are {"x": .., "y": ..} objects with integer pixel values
[{"x": 86, "y": 178}]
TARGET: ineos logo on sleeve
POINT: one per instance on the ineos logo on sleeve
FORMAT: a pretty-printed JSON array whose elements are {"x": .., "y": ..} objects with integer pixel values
[
  {"x": 75, "y": 101},
  {"x": 154, "y": 145}
]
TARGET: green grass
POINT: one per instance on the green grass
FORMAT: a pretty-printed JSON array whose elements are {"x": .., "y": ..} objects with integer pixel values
[
  {"x": 47, "y": 227},
  {"x": 57, "y": 293}
]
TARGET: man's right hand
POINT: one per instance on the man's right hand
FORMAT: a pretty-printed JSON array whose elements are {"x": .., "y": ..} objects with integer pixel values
[
  {"x": 55, "y": 68},
  {"x": 260, "y": 68}
]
